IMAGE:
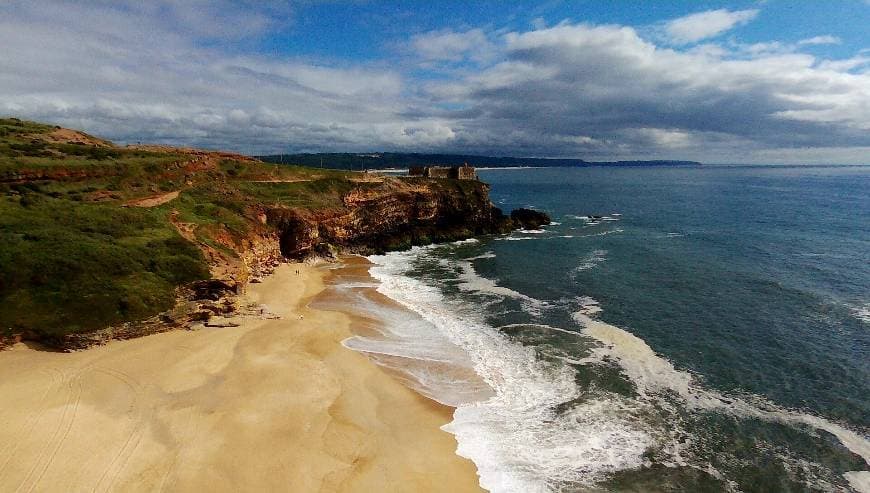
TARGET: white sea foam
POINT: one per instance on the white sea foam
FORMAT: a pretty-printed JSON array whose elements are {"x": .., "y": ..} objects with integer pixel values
[
  {"x": 862, "y": 313},
  {"x": 435, "y": 366},
  {"x": 471, "y": 281},
  {"x": 532, "y": 231},
  {"x": 654, "y": 374},
  {"x": 860, "y": 480},
  {"x": 588, "y": 306},
  {"x": 590, "y": 261},
  {"x": 516, "y": 438},
  {"x": 594, "y": 220},
  {"x": 603, "y": 233},
  {"x": 487, "y": 254}
]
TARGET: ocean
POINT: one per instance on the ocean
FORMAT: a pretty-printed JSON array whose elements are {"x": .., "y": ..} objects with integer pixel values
[{"x": 675, "y": 329}]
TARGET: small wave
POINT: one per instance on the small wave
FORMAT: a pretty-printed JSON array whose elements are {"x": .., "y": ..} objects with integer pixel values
[
  {"x": 515, "y": 437},
  {"x": 590, "y": 262},
  {"x": 594, "y": 219},
  {"x": 653, "y": 374},
  {"x": 488, "y": 254},
  {"x": 517, "y": 238},
  {"x": 471, "y": 281},
  {"x": 532, "y": 231},
  {"x": 862, "y": 313},
  {"x": 603, "y": 233},
  {"x": 588, "y": 306}
]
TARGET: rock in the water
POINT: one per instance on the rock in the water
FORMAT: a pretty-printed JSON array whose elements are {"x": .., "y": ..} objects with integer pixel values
[{"x": 529, "y": 219}]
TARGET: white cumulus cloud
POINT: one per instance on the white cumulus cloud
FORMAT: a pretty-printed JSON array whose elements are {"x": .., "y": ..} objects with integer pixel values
[
  {"x": 703, "y": 25},
  {"x": 820, "y": 40}
]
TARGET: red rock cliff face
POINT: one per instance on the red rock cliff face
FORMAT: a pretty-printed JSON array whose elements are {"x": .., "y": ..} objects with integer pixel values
[{"x": 396, "y": 215}]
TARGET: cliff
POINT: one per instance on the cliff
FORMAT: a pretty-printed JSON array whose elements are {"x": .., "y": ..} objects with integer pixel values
[
  {"x": 396, "y": 215},
  {"x": 105, "y": 242}
]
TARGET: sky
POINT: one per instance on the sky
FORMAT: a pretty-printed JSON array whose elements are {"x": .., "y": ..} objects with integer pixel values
[{"x": 775, "y": 81}]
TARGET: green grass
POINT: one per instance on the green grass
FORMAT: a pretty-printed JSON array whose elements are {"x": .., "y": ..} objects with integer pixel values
[
  {"x": 67, "y": 267},
  {"x": 74, "y": 259},
  {"x": 11, "y": 127}
]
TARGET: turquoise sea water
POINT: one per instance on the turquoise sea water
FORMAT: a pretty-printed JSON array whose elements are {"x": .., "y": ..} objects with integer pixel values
[{"x": 710, "y": 331}]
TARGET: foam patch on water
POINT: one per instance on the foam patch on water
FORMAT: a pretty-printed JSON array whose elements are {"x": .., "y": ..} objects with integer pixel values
[
  {"x": 487, "y": 254},
  {"x": 653, "y": 374},
  {"x": 471, "y": 281},
  {"x": 590, "y": 261},
  {"x": 517, "y": 238},
  {"x": 517, "y": 439},
  {"x": 435, "y": 366},
  {"x": 859, "y": 480},
  {"x": 862, "y": 313},
  {"x": 603, "y": 233}
]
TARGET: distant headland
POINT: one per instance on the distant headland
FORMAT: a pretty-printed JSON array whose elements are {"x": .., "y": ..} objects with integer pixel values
[{"x": 388, "y": 160}]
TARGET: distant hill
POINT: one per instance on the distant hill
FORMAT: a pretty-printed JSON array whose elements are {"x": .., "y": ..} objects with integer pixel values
[{"x": 386, "y": 160}]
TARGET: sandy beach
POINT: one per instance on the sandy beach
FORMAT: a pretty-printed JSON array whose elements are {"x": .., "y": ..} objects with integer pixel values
[{"x": 271, "y": 405}]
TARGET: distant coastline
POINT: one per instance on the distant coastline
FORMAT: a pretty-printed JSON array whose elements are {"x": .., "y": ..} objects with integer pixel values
[{"x": 397, "y": 160}]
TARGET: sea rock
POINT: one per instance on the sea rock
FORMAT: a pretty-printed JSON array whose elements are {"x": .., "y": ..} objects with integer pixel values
[{"x": 529, "y": 219}]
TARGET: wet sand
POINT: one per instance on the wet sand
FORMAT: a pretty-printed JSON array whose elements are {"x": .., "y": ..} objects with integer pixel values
[{"x": 271, "y": 405}]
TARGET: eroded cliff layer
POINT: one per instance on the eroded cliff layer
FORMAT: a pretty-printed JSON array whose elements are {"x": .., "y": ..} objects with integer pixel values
[{"x": 398, "y": 214}]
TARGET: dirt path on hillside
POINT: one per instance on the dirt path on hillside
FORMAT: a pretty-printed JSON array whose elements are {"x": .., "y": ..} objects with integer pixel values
[{"x": 153, "y": 201}]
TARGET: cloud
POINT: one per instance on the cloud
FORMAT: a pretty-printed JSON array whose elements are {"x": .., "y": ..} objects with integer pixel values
[
  {"x": 703, "y": 25},
  {"x": 139, "y": 72},
  {"x": 157, "y": 72},
  {"x": 451, "y": 46},
  {"x": 820, "y": 40},
  {"x": 634, "y": 99}
]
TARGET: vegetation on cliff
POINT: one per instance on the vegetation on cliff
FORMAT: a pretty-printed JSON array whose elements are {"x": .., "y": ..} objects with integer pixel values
[{"x": 95, "y": 234}]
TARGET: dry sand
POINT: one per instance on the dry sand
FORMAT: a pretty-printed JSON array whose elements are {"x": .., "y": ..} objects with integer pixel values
[{"x": 272, "y": 405}]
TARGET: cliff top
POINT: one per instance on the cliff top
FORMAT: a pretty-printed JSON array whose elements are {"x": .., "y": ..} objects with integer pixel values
[{"x": 95, "y": 234}]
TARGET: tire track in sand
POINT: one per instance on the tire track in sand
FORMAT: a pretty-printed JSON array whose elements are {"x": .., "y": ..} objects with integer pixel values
[
  {"x": 134, "y": 437},
  {"x": 42, "y": 463},
  {"x": 27, "y": 430}
]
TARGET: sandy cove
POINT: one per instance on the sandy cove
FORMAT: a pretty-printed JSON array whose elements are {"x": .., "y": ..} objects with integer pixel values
[{"x": 271, "y": 405}]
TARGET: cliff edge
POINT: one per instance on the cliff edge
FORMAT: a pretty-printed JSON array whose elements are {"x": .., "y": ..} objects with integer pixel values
[{"x": 108, "y": 242}]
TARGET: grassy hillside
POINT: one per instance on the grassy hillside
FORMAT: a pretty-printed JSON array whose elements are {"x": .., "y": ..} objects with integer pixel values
[{"x": 90, "y": 232}]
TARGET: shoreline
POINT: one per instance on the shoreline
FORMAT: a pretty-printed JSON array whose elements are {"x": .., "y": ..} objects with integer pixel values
[{"x": 273, "y": 404}]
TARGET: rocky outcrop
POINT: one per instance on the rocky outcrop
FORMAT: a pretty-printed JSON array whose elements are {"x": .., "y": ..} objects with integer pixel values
[
  {"x": 529, "y": 218},
  {"x": 395, "y": 216}
]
